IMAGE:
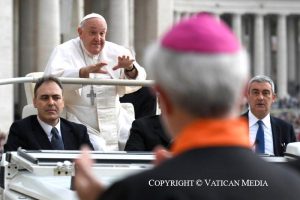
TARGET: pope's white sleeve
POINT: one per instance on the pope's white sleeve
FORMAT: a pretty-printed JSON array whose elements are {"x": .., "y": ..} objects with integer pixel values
[
  {"x": 141, "y": 76},
  {"x": 60, "y": 66}
]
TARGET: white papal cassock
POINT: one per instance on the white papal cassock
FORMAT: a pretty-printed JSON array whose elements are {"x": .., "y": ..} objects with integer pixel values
[{"x": 108, "y": 123}]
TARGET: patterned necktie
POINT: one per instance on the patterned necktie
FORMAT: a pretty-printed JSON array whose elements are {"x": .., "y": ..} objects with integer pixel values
[
  {"x": 56, "y": 140},
  {"x": 260, "y": 138}
]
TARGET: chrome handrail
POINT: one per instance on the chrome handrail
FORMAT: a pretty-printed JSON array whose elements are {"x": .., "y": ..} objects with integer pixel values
[{"x": 84, "y": 81}]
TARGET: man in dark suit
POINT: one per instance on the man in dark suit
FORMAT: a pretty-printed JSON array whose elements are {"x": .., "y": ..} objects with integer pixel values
[
  {"x": 146, "y": 133},
  {"x": 144, "y": 102},
  {"x": 276, "y": 133},
  {"x": 195, "y": 63},
  {"x": 47, "y": 130}
]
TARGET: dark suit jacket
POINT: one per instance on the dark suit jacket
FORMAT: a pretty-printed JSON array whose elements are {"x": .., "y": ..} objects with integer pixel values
[
  {"x": 28, "y": 134},
  {"x": 283, "y": 133},
  {"x": 143, "y": 101},
  {"x": 146, "y": 133},
  {"x": 203, "y": 171}
]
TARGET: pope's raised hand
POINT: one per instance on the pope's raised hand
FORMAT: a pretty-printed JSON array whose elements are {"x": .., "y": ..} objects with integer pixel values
[
  {"x": 84, "y": 72},
  {"x": 124, "y": 62}
]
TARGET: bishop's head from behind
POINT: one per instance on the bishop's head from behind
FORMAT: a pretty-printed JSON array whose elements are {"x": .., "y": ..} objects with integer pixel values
[{"x": 200, "y": 71}]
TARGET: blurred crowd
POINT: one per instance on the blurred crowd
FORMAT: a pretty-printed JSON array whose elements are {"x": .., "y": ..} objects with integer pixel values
[{"x": 288, "y": 109}]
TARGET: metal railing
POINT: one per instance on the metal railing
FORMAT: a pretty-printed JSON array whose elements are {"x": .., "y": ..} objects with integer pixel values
[{"x": 84, "y": 81}]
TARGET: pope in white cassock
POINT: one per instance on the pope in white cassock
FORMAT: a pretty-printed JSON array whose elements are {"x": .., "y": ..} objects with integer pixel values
[{"x": 96, "y": 106}]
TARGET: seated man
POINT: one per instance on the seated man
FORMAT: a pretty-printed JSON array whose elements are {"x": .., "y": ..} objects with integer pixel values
[
  {"x": 268, "y": 134},
  {"x": 146, "y": 133},
  {"x": 143, "y": 100},
  {"x": 47, "y": 130}
]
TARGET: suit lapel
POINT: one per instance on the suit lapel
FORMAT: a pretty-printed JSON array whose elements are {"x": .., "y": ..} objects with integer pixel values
[
  {"x": 65, "y": 132},
  {"x": 276, "y": 136},
  {"x": 40, "y": 135}
]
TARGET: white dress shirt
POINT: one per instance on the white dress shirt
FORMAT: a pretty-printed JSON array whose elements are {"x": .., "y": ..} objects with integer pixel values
[
  {"x": 47, "y": 128},
  {"x": 253, "y": 127}
]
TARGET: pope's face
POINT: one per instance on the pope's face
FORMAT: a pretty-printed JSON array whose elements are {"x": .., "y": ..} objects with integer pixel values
[
  {"x": 49, "y": 102},
  {"x": 260, "y": 98},
  {"x": 92, "y": 34}
]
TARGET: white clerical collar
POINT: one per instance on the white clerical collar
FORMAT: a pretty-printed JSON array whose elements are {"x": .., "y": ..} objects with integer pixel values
[
  {"x": 253, "y": 120},
  {"x": 47, "y": 128},
  {"x": 94, "y": 57}
]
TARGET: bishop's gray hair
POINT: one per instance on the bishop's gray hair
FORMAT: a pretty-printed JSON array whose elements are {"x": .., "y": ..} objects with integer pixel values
[{"x": 205, "y": 85}]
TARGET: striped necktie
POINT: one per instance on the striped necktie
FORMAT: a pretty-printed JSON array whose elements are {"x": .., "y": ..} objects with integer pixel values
[
  {"x": 56, "y": 140},
  {"x": 260, "y": 138}
]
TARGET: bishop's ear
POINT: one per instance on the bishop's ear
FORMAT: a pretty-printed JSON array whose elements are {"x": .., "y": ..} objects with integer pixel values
[{"x": 164, "y": 101}]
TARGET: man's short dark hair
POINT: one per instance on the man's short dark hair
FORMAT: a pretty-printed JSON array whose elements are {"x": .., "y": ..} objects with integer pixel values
[{"x": 45, "y": 79}]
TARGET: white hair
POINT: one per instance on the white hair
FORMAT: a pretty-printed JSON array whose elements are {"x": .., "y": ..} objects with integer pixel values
[
  {"x": 205, "y": 85},
  {"x": 89, "y": 16}
]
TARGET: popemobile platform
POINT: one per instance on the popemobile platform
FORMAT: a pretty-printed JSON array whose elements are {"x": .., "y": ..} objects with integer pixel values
[{"x": 50, "y": 174}]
